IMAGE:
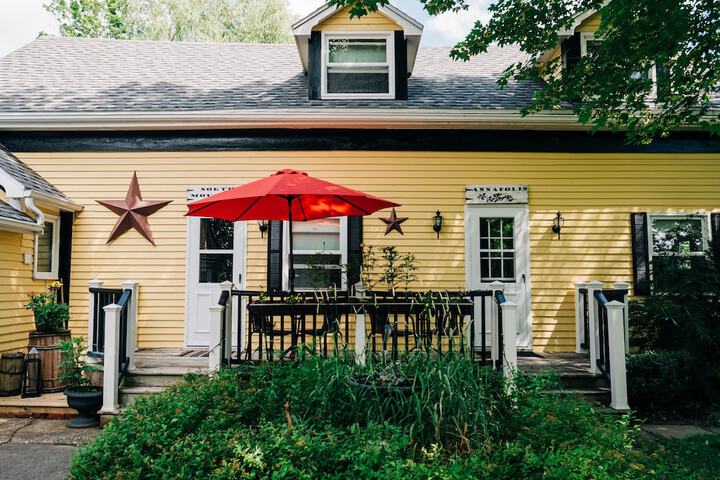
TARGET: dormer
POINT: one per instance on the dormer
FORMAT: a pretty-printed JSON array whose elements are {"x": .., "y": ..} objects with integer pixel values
[{"x": 360, "y": 58}]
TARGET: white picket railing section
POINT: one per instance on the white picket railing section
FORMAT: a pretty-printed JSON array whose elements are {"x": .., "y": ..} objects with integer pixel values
[{"x": 602, "y": 331}]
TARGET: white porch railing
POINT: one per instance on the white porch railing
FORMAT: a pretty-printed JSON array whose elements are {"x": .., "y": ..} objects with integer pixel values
[
  {"x": 485, "y": 314},
  {"x": 601, "y": 317},
  {"x": 112, "y": 334}
]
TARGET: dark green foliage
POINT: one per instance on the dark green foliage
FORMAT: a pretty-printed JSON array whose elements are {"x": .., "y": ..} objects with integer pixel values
[
  {"x": 461, "y": 423},
  {"x": 50, "y": 317},
  {"x": 677, "y": 332},
  {"x": 74, "y": 370},
  {"x": 612, "y": 87}
]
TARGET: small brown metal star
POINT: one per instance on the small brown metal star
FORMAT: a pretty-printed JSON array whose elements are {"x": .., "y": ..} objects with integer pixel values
[
  {"x": 133, "y": 212},
  {"x": 393, "y": 223}
]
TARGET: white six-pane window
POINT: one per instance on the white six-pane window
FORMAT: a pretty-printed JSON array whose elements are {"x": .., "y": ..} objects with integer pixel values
[
  {"x": 358, "y": 65},
  {"x": 319, "y": 252},
  {"x": 47, "y": 250},
  {"x": 676, "y": 241}
]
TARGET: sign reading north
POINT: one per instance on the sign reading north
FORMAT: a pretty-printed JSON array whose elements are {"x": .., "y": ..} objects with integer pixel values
[
  {"x": 496, "y": 194},
  {"x": 197, "y": 192}
]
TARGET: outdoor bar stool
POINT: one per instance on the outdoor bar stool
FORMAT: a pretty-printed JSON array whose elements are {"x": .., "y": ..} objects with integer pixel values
[
  {"x": 264, "y": 325},
  {"x": 384, "y": 322},
  {"x": 329, "y": 325}
]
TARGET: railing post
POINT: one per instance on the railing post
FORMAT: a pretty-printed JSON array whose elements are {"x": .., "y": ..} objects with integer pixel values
[
  {"x": 91, "y": 311},
  {"x": 215, "y": 360},
  {"x": 510, "y": 314},
  {"x": 110, "y": 361},
  {"x": 132, "y": 318},
  {"x": 495, "y": 286},
  {"x": 360, "y": 338},
  {"x": 594, "y": 346},
  {"x": 618, "y": 375},
  {"x": 228, "y": 319},
  {"x": 626, "y": 311},
  {"x": 579, "y": 316}
]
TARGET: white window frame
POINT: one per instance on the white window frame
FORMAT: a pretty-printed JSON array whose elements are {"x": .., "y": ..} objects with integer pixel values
[
  {"x": 388, "y": 36},
  {"x": 705, "y": 225},
  {"x": 55, "y": 258},
  {"x": 586, "y": 37},
  {"x": 343, "y": 255}
]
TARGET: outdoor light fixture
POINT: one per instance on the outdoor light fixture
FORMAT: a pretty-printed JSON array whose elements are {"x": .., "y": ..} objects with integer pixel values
[
  {"x": 32, "y": 378},
  {"x": 558, "y": 223},
  {"x": 263, "y": 226},
  {"x": 437, "y": 223}
]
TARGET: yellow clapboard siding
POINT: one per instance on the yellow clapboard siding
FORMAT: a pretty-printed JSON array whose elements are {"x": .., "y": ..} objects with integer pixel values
[
  {"x": 16, "y": 279},
  {"x": 594, "y": 192},
  {"x": 340, "y": 21},
  {"x": 590, "y": 24}
]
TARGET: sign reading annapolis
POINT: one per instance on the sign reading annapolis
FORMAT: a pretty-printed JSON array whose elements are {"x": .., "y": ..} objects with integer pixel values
[
  {"x": 496, "y": 194},
  {"x": 198, "y": 192}
]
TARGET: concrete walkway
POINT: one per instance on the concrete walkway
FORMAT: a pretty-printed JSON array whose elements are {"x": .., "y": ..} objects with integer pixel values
[
  {"x": 38, "y": 448},
  {"x": 677, "y": 431}
]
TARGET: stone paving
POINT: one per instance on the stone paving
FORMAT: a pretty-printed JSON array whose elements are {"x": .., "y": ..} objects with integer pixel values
[
  {"x": 677, "y": 431},
  {"x": 38, "y": 448}
]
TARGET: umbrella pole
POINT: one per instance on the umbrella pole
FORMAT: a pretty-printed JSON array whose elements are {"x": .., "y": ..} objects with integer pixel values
[{"x": 291, "y": 272}]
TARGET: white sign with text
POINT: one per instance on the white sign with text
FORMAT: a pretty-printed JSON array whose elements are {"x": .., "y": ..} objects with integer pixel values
[
  {"x": 496, "y": 194},
  {"x": 198, "y": 192}
]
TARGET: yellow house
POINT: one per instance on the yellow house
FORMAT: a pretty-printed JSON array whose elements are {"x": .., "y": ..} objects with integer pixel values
[
  {"x": 357, "y": 102},
  {"x": 35, "y": 230}
]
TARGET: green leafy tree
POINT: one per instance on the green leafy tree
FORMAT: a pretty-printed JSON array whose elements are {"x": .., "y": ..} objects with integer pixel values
[
  {"x": 262, "y": 21},
  {"x": 612, "y": 87}
]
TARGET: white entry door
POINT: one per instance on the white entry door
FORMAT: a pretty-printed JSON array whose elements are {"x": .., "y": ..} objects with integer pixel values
[
  {"x": 216, "y": 253},
  {"x": 497, "y": 247}
]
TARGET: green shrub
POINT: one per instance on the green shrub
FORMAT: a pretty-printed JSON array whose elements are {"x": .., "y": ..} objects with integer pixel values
[
  {"x": 461, "y": 422},
  {"x": 661, "y": 381},
  {"x": 676, "y": 332}
]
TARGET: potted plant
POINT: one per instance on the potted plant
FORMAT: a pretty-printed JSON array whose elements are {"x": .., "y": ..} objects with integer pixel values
[
  {"x": 81, "y": 394},
  {"x": 51, "y": 320},
  {"x": 50, "y": 316}
]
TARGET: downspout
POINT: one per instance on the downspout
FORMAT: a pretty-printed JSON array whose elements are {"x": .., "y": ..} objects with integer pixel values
[{"x": 39, "y": 215}]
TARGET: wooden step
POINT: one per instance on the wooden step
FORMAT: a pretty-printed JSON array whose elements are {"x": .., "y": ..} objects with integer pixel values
[
  {"x": 127, "y": 395},
  {"x": 48, "y": 405},
  {"x": 157, "y": 376}
]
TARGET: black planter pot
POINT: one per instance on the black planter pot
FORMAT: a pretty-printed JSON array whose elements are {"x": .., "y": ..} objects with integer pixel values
[{"x": 87, "y": 403}]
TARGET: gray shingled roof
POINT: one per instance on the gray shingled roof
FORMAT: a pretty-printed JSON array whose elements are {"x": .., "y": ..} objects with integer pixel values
[
  {"x": 55, "y": 74},
  {"x": 6, "y": 211},
  {"x": 17, "y": 169}
]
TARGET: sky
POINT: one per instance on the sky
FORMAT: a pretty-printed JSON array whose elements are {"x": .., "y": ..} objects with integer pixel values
[{"x": 22, "y": 20}]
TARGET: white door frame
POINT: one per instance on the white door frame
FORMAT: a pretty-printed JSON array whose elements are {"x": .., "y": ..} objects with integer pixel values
[
  {"x": 522, "y": 255},
  {"x": 192, "y": 269}
]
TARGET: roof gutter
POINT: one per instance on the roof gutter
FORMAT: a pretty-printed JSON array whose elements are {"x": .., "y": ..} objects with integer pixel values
[
  {"x": 293, "y": 119},
  {"x": 52, "y": 201},
  {"x": 19, "y": 226}
]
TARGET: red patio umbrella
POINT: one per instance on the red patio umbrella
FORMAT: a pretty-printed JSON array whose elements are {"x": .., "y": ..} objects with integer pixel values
[{"x": 287, "y": 195}]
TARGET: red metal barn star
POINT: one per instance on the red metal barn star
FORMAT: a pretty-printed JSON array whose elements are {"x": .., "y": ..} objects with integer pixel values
[
  {"x": 393, "y": 223},
  {"x": 133, "y": 212}
]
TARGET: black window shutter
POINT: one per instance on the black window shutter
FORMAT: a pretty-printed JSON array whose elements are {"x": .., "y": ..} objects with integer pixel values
[
  {"x": 65, "y": 249},
  {"x": 715, "y": 232},
  {"x": 641, "y": 255},
  {"x": 314, "y": 65},
  {"x": 275, "y": 256},
  {"x": 354, "y": 239},
  {"x": 570, "y": 49},
  {"x": 401, "y": 73}
]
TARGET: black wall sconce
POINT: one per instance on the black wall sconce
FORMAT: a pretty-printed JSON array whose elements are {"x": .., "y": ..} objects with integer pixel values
[
  {"x": 437, "y": 223},
  {"x": 558, "y": 224},
  {"x": 263, "y": 227}
]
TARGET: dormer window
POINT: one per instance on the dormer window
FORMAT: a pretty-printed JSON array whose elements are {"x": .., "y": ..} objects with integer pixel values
[{"x": 358, "y": 65}]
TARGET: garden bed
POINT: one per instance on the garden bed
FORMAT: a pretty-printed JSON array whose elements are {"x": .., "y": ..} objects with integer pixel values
[{"x": 304, "y": 420}]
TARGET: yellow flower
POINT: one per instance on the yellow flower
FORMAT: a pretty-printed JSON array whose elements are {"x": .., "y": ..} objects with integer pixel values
[{"x": 56, "y": 284}]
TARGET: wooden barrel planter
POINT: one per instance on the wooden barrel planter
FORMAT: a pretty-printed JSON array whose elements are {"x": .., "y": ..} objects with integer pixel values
[
  {"x": 47, "y": 345},
  {"x": 11, "y": 374}
]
